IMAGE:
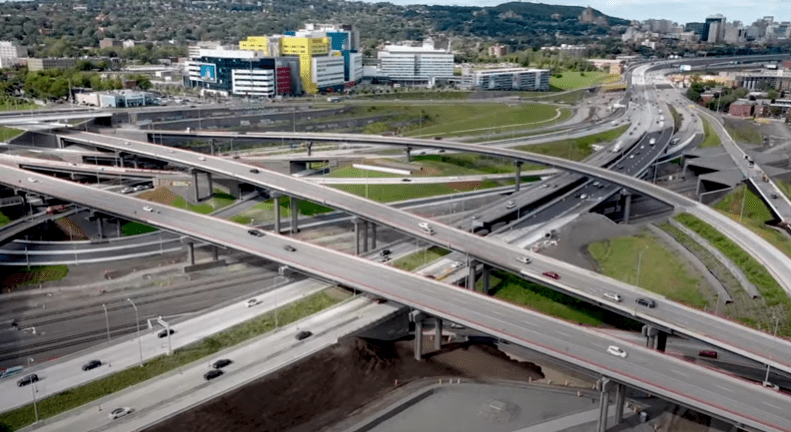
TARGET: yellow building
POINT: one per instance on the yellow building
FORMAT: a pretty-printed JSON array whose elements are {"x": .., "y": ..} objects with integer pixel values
[
  {"x": 306, "y": 49},
  {"x": 255, "y": 43}
]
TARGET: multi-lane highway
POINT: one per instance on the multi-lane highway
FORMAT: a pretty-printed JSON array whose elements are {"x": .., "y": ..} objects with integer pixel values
[
  {"x": 723, "y": 396},
  {"x": 575, "y": 281}
]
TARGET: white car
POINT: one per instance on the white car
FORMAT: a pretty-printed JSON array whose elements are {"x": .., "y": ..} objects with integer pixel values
[
  {"x": 32, "y": 180},
  {"x": 423, "y": 225},
  {"x": 770, "y": 385},
  {"x": 457, "y": 265},
  {"x": 148, "y": 209},
  {"x": 614, "y": 297},
  {"x": 614, "y": 350},
  {"x": 253, "y": 302},
  {"x": 201, "y": 158},
  {"x": 523, "y": 260},
  {"x": 120, "y": 412},
  {"x": 510, "y": 204}
]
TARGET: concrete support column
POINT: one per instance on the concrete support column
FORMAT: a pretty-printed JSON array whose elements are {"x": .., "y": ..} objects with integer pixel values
[
  {"x": 418, "y": 340},
  {"x": 627, "y": 208},
  {"x": 211, "y": 185},
  {"x": 191, "y": 253},
  {"x": 485, "y": 276},
  {"x": 604, "y": 404},
  {"x": 365, "y": 236},
  {"x": 650, "y": 334},
  {"x": 437, "y": 333},
  {"x": 518, "y": 178},
  {"x": 100, "y": 227},
  {"x": 620, "y": 402},
  {"x": 294, "y": 215},
  {"x": 195, "y": 193},
  {"x": 356, "y": 223},
  {"x": 661, "y": 341},
  {"x": 215, "y": 251},
  {"x": 409, "y": 154},
  {"x": 134, "y": 161},
  {"x": 373, "y": 235},
  {"x": 309, "y": 146},
  {"x": 471, "y": 277},
  {"x": 211, "y": 146},
  {"x": 277, "y": 214}
]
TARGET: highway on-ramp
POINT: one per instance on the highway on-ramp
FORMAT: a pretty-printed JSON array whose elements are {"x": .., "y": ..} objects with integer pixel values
[
  {"x": 751, "y": 343},
  {"x": 745, "y": 403}
]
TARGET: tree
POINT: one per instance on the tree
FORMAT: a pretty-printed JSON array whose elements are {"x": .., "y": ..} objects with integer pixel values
[
  {"x": 772, "y": 94},
  {"x": 693, "y": 95}
]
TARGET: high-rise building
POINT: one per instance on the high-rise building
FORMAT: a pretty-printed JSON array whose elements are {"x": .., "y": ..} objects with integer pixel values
[
  {"x": 10, "y": 53},
  {"x": 714, "y": 30},
  {"x": 241, "y": 72},
  {"x": 416, "y": 65}
]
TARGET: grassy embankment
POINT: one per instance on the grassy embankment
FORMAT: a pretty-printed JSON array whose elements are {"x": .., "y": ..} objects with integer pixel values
[
  {"x": 710, "y": 138},
  {"x": 575, "y": 149}
]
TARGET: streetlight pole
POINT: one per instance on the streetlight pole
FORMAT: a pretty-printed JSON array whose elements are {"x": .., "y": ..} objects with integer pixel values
[
  {"x": 107, "y": 319},
  {"x": 639, "y": 264},
  {"x": 777, "y": 321},
  {"x": 33, "y": 392},
  {"x": 139, "y": 341}
]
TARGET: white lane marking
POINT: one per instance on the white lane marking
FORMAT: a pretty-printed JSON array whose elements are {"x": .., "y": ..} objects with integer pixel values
[
  {"x": 771, "y": 405},
  {"x": 724, "y": 388},
  {"x": 680, "y": 373},
  {"x": 499, "y": 314},
  {"x": 562, "y": 333}
]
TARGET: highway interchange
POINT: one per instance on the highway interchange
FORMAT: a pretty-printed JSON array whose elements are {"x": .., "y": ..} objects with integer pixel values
[
  {"x": 709, "y": 391},
  {"x": 668, "y": 314}
]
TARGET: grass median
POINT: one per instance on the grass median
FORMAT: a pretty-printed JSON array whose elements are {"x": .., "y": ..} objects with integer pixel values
[
  {"x": 575, "y": 149},
  {"x": 710, "y": 138},
  {"x": 513, "y": 289},
  {"x": 420, "y": 258},
  {"x": 78, "y": 396},
  {"x": 753, "y": 270}
]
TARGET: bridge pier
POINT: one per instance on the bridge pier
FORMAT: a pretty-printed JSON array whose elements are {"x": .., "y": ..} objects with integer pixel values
[
  {"x": 190, "y": 253},
  {"x": 373, "y": 235},
  {"x": 277, "y": 213},
  {"x": 661, "y": 341},
  {"x": 620, "y": 402},
  {"x": 655, "y": 338},
  {"x": 627, "y": 205},
  {"x": 437, "y": 333},
  {"x": 356, "y": 223},
  {"x": 408, "y": 154},
  {"x": 471, "y": 265},
  {"x": 100, "y": 227},
  {"x": 365, "y": 236},
  {"x": 211, "y": 146},
  {"x": 518, "y": 178},
  {"x": 294, "y": 215},
  {"x": 215, "y": 253},
  {"x": 309, "y": 146},
  {"x": 604, "y": 403},
  {"x": 485, "y": 275},
  {"x": 417, "y": 318}
]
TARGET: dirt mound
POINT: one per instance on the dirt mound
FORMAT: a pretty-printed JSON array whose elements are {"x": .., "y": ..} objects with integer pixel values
[
  {"x": 161, "y": 195},
  {"x": 368, "y": 356}
]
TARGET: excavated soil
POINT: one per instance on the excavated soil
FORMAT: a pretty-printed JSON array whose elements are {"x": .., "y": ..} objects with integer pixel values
[{"x": 322, "y": 390}]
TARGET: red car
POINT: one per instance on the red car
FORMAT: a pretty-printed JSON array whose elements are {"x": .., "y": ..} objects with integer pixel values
[{"x": 552, "y": 275}]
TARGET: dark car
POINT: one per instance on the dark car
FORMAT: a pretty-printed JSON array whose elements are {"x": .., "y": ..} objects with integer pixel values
[
  {"x": 255, "y": 232},
  {"x": 30, "y": 379},
  {"x": 552, "y": 275},
  {"x": 384, "y": 252},
  {"x": 290, "y": 248},
  {"x": 93, "y": 364},
  {"x": 708, "y": 353},
  {"x": 646, "y": 302},
  {"x": 406, "y": 180},
  {"x": 219, "y": 364},
  {"x": 303, "y": 335},
  {"x": 255, "y": 171},
  {"x": 164, "y": 333},
  {"x": 212, "y": 374}
]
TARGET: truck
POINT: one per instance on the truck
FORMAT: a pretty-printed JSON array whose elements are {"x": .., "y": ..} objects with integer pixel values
[{"x": 685, "y": 68}]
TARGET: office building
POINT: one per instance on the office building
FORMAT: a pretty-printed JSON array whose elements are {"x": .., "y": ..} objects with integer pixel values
[
  {"x": 327, "y": 73},
  {"x": 10, "y": 53},
  {"x": 714, "y": 29},
  {"x": 415, "y": 65},
  {"x": 242, "y": 72},
  {"x": 512, "y": 79},
  {"x": 193, "y": 51}
]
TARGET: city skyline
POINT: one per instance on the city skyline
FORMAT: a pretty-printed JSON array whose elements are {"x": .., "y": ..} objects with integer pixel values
[{"x": 681, "y": 11}]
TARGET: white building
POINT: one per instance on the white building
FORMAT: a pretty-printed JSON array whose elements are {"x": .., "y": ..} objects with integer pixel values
[
  {"x": 415, "y": 64},
  {"x": 327, "y": 71},
  {"x": 10, "y": 53},
  {"x": 512, "y": 79},
  {"x": 253, "y": 82},
  {"x": 355, "y": 67}
]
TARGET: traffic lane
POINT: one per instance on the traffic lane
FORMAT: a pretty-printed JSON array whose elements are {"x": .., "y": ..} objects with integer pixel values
[
  {"x": 367, "y": 276},
  {"x": 45, "y": 246},
  {"x": 407, "y": 223},
  {"x": 162, "y": 391}
]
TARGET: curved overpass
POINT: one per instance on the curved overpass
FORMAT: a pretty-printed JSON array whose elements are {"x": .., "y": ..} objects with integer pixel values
[
  {"x": 575, "y": 281},
  {"x": 720, "y": 395}
]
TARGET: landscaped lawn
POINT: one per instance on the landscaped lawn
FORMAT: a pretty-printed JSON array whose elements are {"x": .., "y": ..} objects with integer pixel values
[
  {"x": 4, "y": 219},
  {"x": 710, "y": 138},
  {"x": 575, "y": 80},
  {"x": 265, "y": 211},
  {"x": 134, "y": 228},
  {"x": 420, "y": 258},
  {"x": 660, "y": 269},
  {"x": 6, "y": 133},
  {"x": 401, "y": 192},
  {"x": 743, "y": 131}
]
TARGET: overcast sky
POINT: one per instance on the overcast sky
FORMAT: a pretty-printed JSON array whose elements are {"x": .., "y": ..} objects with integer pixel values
[{"x": 681, "y": 11}]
